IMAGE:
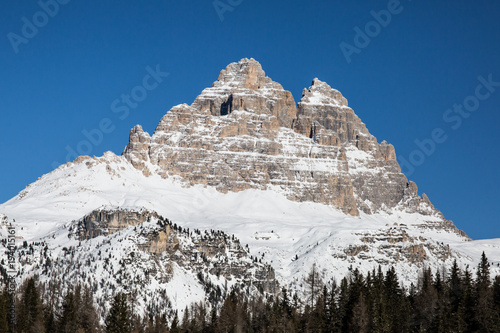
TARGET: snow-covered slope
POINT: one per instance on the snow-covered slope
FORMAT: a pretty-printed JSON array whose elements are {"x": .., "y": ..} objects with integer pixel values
[
  {"x": 297, "y": 186},
  {"x": 288, "y": 235}
]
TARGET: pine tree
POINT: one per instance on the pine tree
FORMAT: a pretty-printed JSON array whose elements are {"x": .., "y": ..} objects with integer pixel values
[
  {"x": 486, "y": 317},
  {"x": 483, "y": 274},
  {"x": 426, "y": 301},
  {"x": 89, "y": 319},
  {"x": 455, "y": 299},
  {"x": 468, "y": 301},
  {"x": 333, "y": 318},
  {"x": 455, "y": 286},
  {"x": 343, "y": 306},
  {"x": 118, "y": 320},
  {"x": 496, "y": 294},
  {"x": 30, "y": 317},
  {"x": 174, "y": 328},
  {"x": 360, "y": 318},
  {"x": 4, "y": 312},
  {"x": 185, "y": 319},
  {"x": 69, "y": 318},
  {"x": 50, "y": 320}
]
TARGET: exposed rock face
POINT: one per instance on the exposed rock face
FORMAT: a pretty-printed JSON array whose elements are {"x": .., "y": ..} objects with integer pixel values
[
  {"x": 246, "y": 132},
  {"x": 245, "y": 150},
  {"x": 138, "y": 147},
  {"x": 213, "y": 253},
  {"x": 244, "y": 86},
  {"x": 104, "y": 222},
  {"x": 323, "y": 115},
  {"x": 396, "y": 244}
]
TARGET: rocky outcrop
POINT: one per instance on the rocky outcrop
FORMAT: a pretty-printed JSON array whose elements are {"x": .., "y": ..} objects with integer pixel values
[
  {"x": 104, "y": 222},
  {"x": 245, "y": 86},
  {"x": 203, "y": 252},
  {"x": 246, "y": 132},
  {"x": 137, "y": 149},
  {"x": 244, "y": 150},
  {"x": 209, "y": 253}
]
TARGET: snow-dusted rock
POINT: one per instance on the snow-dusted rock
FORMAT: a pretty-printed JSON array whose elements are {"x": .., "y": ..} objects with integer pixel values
[
  {"x": 246, "y": 132},
  {"x": 301, "y": 185}
]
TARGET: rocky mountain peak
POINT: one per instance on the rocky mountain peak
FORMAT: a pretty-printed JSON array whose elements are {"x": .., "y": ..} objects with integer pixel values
[
  {"x": 247, "y": 74},
  {"x": 321, "y": 93},
  {"x": 138, "y": 148},
  {"x": 246, "y": 132},
  {"x": 245, "y": 86}
]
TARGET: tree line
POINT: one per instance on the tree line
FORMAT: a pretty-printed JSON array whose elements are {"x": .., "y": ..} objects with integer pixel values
[{"x": 452, "y": 301}]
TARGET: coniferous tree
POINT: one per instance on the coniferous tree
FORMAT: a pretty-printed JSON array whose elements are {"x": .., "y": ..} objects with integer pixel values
[
  {"x": 496, "y": 295},
  {"x": 318, "y": 317},
  {"x": 343, "y": 305},
  {"x": 118, "y": 320},
  {"x": 483, "y": 274},
  {"x": 455, "y": 287},
  {"x": 486, "y": 319},
  {"x": 333, "y": 317},
  {"x": 174, "y": 328},
  {"x": 356, "y": 291},
  {"x": 426, "y": 301},
  {"x": 314, "y": 285},
  {"x": 69, "y": 319},
  {"x": 30, "y": 318},
  {"x": 360, "y": 319},
  {"x": 50, "y": 320},
  {"x": 89, "y": 319},
  {"x": 4, "y": 312},
  {"x": 468, "y": 301}
]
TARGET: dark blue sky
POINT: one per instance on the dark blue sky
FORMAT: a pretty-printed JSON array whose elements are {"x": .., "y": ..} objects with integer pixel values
[{"x": 65, "y": 77}]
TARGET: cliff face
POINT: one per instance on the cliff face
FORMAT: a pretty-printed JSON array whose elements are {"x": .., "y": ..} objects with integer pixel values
[
  {"x": 141, "y": 250},
  {"x": 247, "y": 132}
]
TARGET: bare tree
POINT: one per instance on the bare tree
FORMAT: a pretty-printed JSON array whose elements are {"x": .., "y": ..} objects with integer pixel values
[{"x": 313, "y": 284}]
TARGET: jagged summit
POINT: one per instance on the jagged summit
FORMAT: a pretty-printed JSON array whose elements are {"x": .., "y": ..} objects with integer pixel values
[
  {"x": 247, "y": 132},
  {"x": 320, "y": 93},
  {"x": 300, "y": 185},
  {"x": 247, "y": 73},
  {"x": 245, "y": 86}
]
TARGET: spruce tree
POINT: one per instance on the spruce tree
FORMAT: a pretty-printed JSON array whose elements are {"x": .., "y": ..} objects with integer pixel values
[
  {"x": 483, "y": 274},
  {"x": 468, "y": 300},
  {"x": 50, "y": 320},
  {"x": 118, "y": 319},
  {"x": 486, "y": 318},
  {"x": 4, "y": 312},
  {"x": 174, "y": 328},
  {"x": 89, "y": 319},
  {"x": 30, "y": 318},
  {"x": 69, "y": 317},
  {"x": 496, "y": 294}
]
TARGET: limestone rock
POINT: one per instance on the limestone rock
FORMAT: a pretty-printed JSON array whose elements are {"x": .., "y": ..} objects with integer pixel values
[
  {"x": 245, "y": 86},
  {"x": 137, "y": 150},
  {"x": 246, "y": 132}
]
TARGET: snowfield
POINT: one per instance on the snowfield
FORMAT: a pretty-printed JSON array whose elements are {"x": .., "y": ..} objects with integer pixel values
[{"x": 290, "y": 236}]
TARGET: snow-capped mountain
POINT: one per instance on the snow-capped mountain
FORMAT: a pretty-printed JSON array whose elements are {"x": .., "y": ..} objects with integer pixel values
[{"x": 242, "y": 189}]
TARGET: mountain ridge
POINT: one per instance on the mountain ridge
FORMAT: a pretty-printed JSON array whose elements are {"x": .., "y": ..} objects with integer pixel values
[
  {"x": 300, "y": 184},
  {"x": 265, "y": 108}
]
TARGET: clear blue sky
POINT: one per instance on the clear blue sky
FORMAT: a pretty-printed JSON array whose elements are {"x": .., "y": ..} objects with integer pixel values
[{"x": 65, "y": 76}]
